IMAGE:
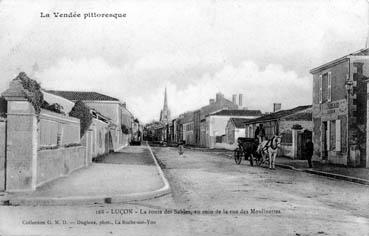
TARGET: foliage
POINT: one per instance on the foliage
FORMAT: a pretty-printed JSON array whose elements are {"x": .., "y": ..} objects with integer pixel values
[
  {"x": 124, "y": 128},
  {"x": 33, "y": 91},
  {"x": 82, "y": 112},
  {"x": 72, "y": 145},
  {"x": 55, "y": 107}
]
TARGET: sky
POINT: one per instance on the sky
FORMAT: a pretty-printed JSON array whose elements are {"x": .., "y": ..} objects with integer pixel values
[{"x": 263, "y": 49}]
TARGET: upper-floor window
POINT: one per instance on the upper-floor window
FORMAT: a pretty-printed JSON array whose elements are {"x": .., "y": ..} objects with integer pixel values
[{"x": 325, "y": 87}]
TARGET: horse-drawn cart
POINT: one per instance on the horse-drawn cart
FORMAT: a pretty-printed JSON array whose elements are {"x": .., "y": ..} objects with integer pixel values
[{"x": 247, "y": 150}]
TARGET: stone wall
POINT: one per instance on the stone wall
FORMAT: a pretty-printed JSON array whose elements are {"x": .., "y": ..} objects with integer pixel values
[{"x": 55, "y": 163}]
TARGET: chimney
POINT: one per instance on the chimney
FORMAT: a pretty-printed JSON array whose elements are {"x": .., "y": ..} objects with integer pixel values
[
  {"x": 211, "y": 101},
  {"x": 219, "y": 96},
  {"x": 240, "y": 102},
  {"x": 277, "y": 107},
  {"x": 234, "y": 99}
]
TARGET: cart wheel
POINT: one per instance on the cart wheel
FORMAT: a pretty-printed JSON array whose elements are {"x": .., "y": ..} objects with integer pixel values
[
  {"x": 237, "y": 156},
  {"x": 259, "y": 160}
]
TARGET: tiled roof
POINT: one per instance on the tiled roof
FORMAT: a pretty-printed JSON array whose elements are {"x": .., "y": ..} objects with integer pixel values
[
  {"x": 300, "y": 116},
  {"x": 239, "y": 122},
  {"x": 237, "y": 113},
  {"x": 83, "y": 96},
  {"x": 279, "y": 114}
]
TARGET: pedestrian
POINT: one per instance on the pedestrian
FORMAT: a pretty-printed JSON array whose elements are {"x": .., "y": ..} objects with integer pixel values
[
  {"x": 260, "y": 133},
  {"x": 309, "y": 150},
  {"x": 181, "y": 148}
]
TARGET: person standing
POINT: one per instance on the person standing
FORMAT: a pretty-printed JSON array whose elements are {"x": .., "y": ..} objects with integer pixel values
[
  {"x": 181, "y": 148},
  {"x": 260, "y": 133},
  {"x": 309, "y": 150}
]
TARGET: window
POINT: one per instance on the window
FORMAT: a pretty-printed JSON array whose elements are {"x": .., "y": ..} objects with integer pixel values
[
  {"x": 325, "y": 87},
  {"x": 287, "y": 137}
]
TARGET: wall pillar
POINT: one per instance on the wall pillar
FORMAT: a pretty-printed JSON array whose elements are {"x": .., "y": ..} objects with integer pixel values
[
  {"x": 22, "y": 138},
  {"x": 367, "y": 129},
  {"x": 294, "y": 143}
]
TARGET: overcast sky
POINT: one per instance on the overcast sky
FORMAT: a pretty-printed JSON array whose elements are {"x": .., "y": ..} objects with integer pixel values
[{"x": 263, "y": 49}]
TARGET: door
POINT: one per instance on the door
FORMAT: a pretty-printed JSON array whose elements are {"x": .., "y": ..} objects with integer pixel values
[
  {"x": 302, "y": 139},
  {"x": 324, "y": 140}
]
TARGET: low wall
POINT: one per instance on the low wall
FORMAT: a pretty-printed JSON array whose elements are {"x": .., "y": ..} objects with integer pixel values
[
  {"x": 286, "y": 150},
  {"x": 54, "y": 163}
]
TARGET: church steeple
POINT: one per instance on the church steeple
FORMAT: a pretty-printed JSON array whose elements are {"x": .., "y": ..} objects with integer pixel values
[
  {"x": 165, "y": 98},
  {"x": 165, "y": 113}
]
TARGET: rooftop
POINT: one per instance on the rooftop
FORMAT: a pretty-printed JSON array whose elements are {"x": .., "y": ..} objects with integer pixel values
[
  {"x": 362, "y": 52},
  {"x": 239, "y": 122},
  {"x": 237, "y": 113},
  {"x": 83, "y": 96},
  {"x": 279, "y": 114}
]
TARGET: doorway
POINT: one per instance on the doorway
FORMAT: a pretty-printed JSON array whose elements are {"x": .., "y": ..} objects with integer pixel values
[{"x": 325, "y": 140}]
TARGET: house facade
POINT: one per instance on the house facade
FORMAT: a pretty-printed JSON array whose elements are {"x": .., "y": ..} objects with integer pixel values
[
  {"x": 235, "y": 129},
  {"x": 340, "y": 110},
  {"x": 216, "y": 124},
  {"x": 294, "y": 125},
  {"x": 108, "y": 106},
  {"x": 188, "y": 128}
]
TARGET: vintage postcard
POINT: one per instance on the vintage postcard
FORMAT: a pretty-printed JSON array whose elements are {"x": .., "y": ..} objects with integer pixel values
[{"x": 196, "y": 117}]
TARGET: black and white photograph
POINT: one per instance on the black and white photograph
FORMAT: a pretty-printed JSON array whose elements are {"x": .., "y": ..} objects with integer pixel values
[{"x": 184, "y": 117}]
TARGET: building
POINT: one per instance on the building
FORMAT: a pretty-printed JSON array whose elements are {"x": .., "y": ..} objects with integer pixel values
[
  {"x": 294, "y": 125},
  {"x": 110, "y": 107},
  {"x": 216, "y": 124},
  {"x": 165, "y": 112},
  {"x": 340, "y": 110},
  {"x": 235, "y": 129},
  {"x": 220, "y": 103},
  {"x": 188, "y": 128}
]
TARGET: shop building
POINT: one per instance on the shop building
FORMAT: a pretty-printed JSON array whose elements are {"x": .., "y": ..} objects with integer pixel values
[{"x": 340, "y": 110}]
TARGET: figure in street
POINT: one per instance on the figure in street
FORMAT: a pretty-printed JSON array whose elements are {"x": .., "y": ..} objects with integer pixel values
[
  {"x": 259, "y": 135},
  {"x": 181, "y": 148},
  {"x": 309, "y": 150}
]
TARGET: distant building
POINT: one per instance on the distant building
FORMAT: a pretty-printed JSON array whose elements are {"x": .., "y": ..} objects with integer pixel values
[
  {"x": 220, "y": 103},
  {"x": 216, "y": 124},
  {"x": 165, "y": 112},
  {"x": 235, "y": 129},
  {"x": 188, "y": 128}
]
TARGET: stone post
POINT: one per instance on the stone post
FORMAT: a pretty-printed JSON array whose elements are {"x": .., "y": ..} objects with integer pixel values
[
  {"x": 22, "y": 140},
  {"x": 294, "y": 143}
]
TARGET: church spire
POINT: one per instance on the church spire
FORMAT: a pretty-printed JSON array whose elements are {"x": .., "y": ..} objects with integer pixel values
[
  {"x": 165, "y": 99},
  {"x": 165, "y": 112}
]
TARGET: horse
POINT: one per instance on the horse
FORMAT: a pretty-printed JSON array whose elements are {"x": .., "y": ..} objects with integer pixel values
[{"x": 270, "y": 148}]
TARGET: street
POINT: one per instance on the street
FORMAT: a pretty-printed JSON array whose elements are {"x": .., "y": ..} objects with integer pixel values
[{"x": 211, "y": 195}]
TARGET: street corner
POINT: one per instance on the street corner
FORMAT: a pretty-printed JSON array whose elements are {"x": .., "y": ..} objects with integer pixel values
[{"x": 120, "y": 180}]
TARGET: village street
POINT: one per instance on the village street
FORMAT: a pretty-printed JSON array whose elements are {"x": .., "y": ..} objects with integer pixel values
[{"x": 294, "y": 203}]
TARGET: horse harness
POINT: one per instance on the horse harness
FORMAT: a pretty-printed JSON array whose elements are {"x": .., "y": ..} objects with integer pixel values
[{"x": 270, "y": 144}]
